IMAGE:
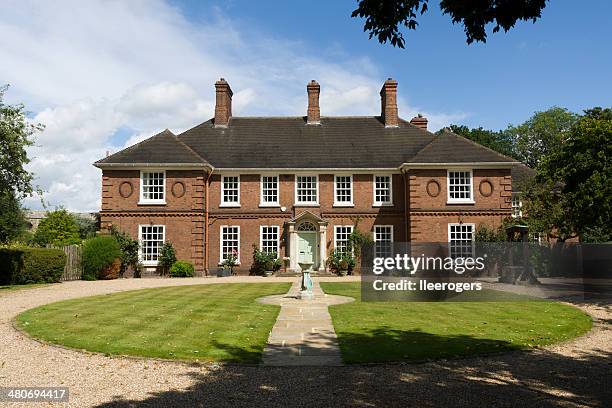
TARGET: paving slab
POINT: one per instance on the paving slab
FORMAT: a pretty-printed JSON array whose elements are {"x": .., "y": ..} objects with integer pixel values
[{"x": 303, "y": 334}]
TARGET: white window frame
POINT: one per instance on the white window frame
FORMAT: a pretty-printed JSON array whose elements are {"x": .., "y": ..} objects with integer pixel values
[
  {"x": 278, "y": 237},
  {"x": 375, "y": 240},
  {"x": 221, "y": 243},
  {"x": 140, "y": 242},
  {"x": 343, "y": 203},
  {"x": 336, "y": 233},
  {"x": 263, "y": 203},
  {"x": 148, "y": 201},
  {"x": 382, "y": 203},
  {"x": 448, "y": 189},
  {"x": 307, "y": 203},
  {"x": 517, "y": 211},
  {"x": 230, "y": 203},
  {"x": 451, "y": 224}
]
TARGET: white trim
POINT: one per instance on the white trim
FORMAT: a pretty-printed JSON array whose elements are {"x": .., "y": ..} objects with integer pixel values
[
  {"x": 450, "y": 200},
  {"x": 221, "y": 243},
  {"x": 141, "y": 199},
  {"x": 460, "y": 224},
  {"x": 308, "y": 171},
  {"x": 382, "y": 225},
  {"x": 278, "y": 238},
  {"x": 382, "y": 203},
  {"x": 149, "y": 263},
  {"x": 516, "y": 195},
  {"x": 167, "y": 166},
  {"x": 343, "y": 204},
  {"x": 352, "y": 227},
  {"x": 307, "y": 203},
  {"x": 261, "y": 192},
  {"x": 474, "y": 165},
  {"x": 231, "y": 203}
]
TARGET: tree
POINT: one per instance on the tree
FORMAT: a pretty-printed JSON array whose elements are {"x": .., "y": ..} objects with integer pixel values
[
  {"x": 500, "y": 141},
  {"x": 572, "y": 192},
  {"x": 542, "y": 134},
  {"x": 15, "y": 136},
  {"x": 383, "y": 18},
  {"x": 12, "y": 217},
  {"x": 87, "y": 226},
  {"x": 57, "y": 228}
]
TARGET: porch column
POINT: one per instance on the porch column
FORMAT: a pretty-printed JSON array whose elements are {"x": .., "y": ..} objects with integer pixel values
[
  {"x": 322, "y": 247},
  {"x": 293, "y": 265}
]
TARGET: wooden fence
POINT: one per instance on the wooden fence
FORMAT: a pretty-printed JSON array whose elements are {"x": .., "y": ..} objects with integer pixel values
[{"x": 73, "y": 269}]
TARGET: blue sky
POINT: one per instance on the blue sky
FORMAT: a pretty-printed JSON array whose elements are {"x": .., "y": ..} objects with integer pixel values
[
  {"x": 564, "y": 59},
  {"x": 104, "y": 74}
]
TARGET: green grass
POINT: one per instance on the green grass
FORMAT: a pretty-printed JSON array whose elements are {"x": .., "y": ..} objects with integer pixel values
[
  {"x": 414, "y": 331},
  {"x": 217, "y": 322}
]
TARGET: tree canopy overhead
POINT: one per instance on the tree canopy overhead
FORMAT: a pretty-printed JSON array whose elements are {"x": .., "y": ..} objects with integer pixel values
[{"x": 384, "y": 18}]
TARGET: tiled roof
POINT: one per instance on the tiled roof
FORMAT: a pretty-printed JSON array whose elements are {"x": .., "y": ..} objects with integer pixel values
[{"x": 288, "y": 142}]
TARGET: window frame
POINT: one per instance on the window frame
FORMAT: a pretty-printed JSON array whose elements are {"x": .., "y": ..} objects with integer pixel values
[
  {"x": 473, "y": 232},
  {"x": 263, "y": 203},
  {"x": 307, "y": 203},
  {"x": 278, "y": 238},
  {"x": 343, "y": 203},
  {"x": 450, "y": 200},
  {"x": 376, "y": 203},
  {"x": 149, "y": 201},
  {"x": 141, "y": 246},
  {"x": 352, "y": 227},
  {"x": 230, "y": 204},
  {"x": 221, "y": 260},
  {"x": 375, "y": 240},
  {"x": 517, "y": 212}
]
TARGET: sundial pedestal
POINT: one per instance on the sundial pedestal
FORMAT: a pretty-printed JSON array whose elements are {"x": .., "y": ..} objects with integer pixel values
[{"x": 306, "y": 292}]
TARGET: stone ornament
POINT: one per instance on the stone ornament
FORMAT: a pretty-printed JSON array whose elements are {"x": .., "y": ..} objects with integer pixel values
[
  {"x": 126, "y": 189},
  {"x": 485, "y": 188},
  {"x": 433, "y": 188},
  {"x": 178, "y": 189}
]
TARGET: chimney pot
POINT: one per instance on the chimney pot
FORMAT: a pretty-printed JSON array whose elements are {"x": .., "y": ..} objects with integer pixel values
[
  {"x": 314, "y": 113},
  {"x": 419, "y": 121},
  {"x": 223, "y": 105},
  {"x": 388, "y": 101}
]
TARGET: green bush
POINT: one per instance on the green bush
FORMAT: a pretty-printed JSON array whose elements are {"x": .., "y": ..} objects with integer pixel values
[
  {"x": 264, "y": 261},
  {"x": 99, "y": 254},
  {"x": 31, "y": 265},
  {"x": 166, "y": 258},
  {"x": 57, "y": 228},
  {"x": 182, "y": 269}
]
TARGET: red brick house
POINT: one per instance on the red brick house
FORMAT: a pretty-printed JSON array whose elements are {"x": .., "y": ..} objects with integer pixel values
[{"x": 297, "y": 185}]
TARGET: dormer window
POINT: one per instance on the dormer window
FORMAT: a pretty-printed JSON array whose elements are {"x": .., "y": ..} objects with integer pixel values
[
  {"x": 153, "y": 187},
  {"x": 460, "y": 186}
]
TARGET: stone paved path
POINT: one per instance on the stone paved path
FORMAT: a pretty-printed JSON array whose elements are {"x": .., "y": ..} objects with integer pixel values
[{"x": 303, "y": 334}]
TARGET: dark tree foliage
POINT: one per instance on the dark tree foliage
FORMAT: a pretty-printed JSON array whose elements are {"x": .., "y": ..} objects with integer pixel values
[
  {"x": 12, "y": 217},
  {"x": 384, "y": 18},
  {"x": 500, "y": 141}
]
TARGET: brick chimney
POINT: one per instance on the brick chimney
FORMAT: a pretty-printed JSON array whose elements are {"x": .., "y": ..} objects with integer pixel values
[
  {"x": 419, "y": 121},
  {"x": 314, "y": 113},
  {"x": 388, "y": 101},
  {"x": 223, "y": 106}
]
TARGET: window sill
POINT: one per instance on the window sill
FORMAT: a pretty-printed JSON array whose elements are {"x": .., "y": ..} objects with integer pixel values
[
  {"x": 306, "y": 205},
  {"x": 229, "y": 205},
  {"x": 343, "y": 205},
  {"x": 382, "y": 205},
  {"x": 221, "y": 264},
  {"x": 152, "y": 203},
  {"x": 149, "y": 263},
  {"x": 269, "y": 205},
  {"x": 461, "y": 202}
]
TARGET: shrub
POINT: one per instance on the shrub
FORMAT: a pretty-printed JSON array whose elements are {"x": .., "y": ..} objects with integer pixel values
[
  {"x": 129, "y": 251},
  {"x": 57, "y": 228},
  {"x": 166, "y": 258},
  {"x": 99, "y": 256},
  {"x": 31, "y": 265},
  {"x": 182, "y": 269},
  {"x": 341, "y": 261},
  {"x": 264, "y": 261}
]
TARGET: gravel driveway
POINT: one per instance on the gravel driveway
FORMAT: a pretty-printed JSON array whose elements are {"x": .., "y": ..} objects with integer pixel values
[{"x": 578, "y": 373}]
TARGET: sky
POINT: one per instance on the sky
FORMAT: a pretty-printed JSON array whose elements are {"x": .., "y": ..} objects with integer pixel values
[{"x": 102, "y": 75}]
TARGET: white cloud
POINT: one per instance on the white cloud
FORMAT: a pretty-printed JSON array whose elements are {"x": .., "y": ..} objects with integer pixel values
[{"x": 93, "y": 68}]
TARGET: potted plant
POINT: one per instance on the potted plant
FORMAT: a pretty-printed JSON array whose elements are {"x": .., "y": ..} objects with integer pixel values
[
  {"x": 269, "y": 267},
  {"x": 229, "y": 263},
  {"x": 343, "y": 267}
]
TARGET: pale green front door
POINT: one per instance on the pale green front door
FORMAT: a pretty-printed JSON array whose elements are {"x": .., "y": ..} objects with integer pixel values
[{"x": 307, "y": 249}]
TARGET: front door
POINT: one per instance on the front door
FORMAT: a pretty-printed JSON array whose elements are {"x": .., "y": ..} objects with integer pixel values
[{"x": 307, "y": 250}]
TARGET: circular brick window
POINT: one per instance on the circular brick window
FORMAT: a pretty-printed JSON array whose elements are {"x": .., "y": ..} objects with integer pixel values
[
  {"x": 486, "y": 188},
  {"x": 178, "y": 189},
  {"x": 126, "y": 189},
  {"x": 433, "y": 188}
]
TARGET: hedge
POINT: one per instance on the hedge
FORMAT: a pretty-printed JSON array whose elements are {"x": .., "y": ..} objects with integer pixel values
[
  {"x": 181, "y": 269},
  {"x": 19, "y": 266},
  {"x": 101, "y": 258}
]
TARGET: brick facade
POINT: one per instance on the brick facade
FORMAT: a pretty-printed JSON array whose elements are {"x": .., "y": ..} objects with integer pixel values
[{"x": 425, "y": 219}]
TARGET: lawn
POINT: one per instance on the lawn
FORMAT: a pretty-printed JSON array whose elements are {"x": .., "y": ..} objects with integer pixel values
[
  {"x": 216, "y": 322},
  {"x": 414, "y": 331}
]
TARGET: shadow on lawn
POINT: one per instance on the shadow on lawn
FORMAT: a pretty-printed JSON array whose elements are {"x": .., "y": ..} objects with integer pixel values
[{"x": 537, "y": 378}]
